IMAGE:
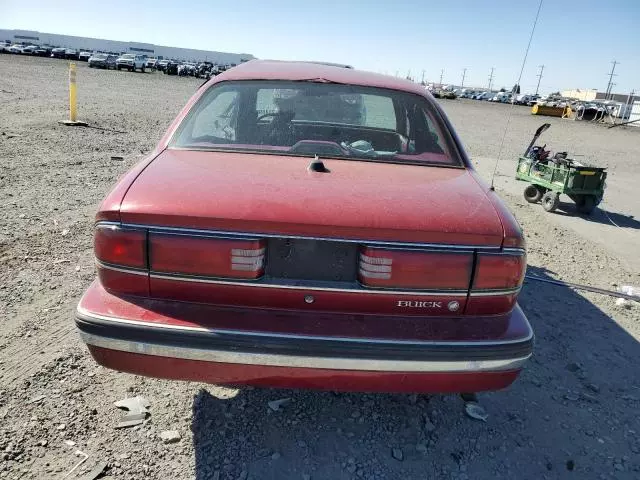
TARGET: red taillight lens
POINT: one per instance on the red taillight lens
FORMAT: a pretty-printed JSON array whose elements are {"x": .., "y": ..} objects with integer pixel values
[
  {"x": 206, "y": 256},
  {"x": 496, "y": 282},
  {"x": 415, "y": 269},
  {"x": 499, "y": 271},
  {"x": 121, "y": 246}
]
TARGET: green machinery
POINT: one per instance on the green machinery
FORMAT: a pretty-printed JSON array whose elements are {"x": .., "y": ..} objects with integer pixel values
[{"x": 550, "y": 177}]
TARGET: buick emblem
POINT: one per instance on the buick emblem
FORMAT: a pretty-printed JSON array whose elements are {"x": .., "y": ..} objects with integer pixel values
[
  {"x": 418, "y": 304},
  {"x": 309, "y": 299},
  {"x": 453, "y": 306}
]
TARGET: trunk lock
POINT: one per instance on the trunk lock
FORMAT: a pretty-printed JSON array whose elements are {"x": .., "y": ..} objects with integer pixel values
[{"x": 309, "y": 299}]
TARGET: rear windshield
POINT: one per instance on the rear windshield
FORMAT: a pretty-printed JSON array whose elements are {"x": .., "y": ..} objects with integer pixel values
[{"x": 307, "y": 119}]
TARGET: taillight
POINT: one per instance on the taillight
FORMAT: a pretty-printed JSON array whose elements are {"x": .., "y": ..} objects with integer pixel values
[
  {"x": 415, "y": 269},
  {"x": 206, "y": 256},
  {"x": 119, "y": 246},
  {"x": 497, "y": 280},
  {"x": 499, "y": 271}
]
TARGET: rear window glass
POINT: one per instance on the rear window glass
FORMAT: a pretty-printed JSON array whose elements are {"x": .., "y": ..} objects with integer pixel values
[{"x": 305, "y": 118}]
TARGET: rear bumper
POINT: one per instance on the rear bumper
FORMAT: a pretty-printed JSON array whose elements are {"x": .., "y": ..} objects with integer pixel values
[{"x": 134, "y": 337}]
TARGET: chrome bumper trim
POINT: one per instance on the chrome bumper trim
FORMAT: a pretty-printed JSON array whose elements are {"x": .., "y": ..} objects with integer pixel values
[
  {"x": 86, "y": 315},
  {"x": 290, "y": 361}
]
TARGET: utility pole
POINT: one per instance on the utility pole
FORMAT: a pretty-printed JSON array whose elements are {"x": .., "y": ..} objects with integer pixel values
[
  {"x": 611, "y": 75},
  {"x": 539, "y": 78},
  {"x": 441, "y": 75},
  {"x": 422, "y": 81},
  {"x": 491, "y": 78},
  {"x": 628, "y": 104},
  {"x": 464, "y": 74},
  {"x": 629, "y": 98}
]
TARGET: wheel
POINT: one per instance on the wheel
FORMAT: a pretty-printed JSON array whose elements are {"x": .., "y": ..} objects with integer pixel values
[
  {"x": 119, "y": 67},
  {"x": 532, "y": 194},
  {"x": 550, "y": 201},
  {"x": 142, "y": 69},
  {"x": 586, "y": 204},
  {"x": 131, "y": 69}
]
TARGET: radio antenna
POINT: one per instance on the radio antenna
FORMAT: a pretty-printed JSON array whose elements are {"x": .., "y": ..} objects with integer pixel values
[{"x": 506, "y": 127}]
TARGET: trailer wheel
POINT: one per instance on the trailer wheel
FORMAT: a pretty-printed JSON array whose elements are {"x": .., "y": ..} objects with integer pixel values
[
  {"x": 550, "y": 201},
  {"x": 586, "y": 204},
  {"x": 532, "y": 194}
]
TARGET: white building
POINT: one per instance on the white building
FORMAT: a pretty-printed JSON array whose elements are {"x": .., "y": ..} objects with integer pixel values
[
  {"x": 586, "y": 95},
  {"x": 114, "y": 46}
]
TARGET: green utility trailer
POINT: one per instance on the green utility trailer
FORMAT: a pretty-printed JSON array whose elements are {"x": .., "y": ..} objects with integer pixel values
[{"x": 550, "y": 177}]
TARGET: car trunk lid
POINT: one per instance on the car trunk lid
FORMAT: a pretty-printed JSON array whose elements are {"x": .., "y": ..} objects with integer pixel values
[{"x": 275, "y": 194}]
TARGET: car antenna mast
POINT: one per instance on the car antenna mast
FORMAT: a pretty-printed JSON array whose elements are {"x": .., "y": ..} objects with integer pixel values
[{"x": 506, "y": 127}]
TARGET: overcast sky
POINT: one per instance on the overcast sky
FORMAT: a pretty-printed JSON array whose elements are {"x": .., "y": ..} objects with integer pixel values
[{"x": 576, "y": 40}]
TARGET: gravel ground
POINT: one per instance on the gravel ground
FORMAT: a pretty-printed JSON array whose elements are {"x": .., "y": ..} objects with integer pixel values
[{"x": 572, "y": 414}]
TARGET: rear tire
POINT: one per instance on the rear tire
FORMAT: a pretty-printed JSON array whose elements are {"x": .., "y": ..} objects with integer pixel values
[
  {"x": 532, "y": 194},
  {"x": 586, "y": 204},
  {"x": 142, "y": 69},
  {"x": 119, "y": 68},
  {"x": 550, "y": 201}
]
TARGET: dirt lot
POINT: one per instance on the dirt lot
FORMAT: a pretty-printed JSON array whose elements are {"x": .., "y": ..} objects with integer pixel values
[{"x": 572, "y": 414}]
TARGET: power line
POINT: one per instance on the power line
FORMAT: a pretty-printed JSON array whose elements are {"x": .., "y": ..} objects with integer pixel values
[
  {"x": 464, "y": 74},
  {"x": 539, "y": 78},
  {"x": 524, "y": 62},
  {"x": 491, "y": 78}
]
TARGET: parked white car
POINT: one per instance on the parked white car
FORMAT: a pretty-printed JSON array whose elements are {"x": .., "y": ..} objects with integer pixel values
[
  {"x": 499, "y": 97},
  {"x": 131, "y": 62}
]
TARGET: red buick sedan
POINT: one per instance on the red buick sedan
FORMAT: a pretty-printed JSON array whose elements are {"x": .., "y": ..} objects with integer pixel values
[{"x": 310, "y": 226}]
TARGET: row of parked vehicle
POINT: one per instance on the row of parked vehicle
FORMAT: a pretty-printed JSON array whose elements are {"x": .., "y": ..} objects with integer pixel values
[
  {"x": 44, "y": 51},
  {"x": 189, "y": 69},
  {"x": 500, "y": 97},
  {"x": 116, "y": 61},
  {"x": 449, "y": 92}
]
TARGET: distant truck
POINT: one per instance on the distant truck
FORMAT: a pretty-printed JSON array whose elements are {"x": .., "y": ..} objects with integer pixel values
[{"x": 131, "y": 62}]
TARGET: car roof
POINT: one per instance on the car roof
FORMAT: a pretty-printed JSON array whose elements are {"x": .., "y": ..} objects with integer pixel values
[{"x": 309, "y": 71}]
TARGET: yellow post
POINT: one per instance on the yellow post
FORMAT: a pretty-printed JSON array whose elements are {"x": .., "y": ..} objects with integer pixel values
[{"x": 73, "y": 100}]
